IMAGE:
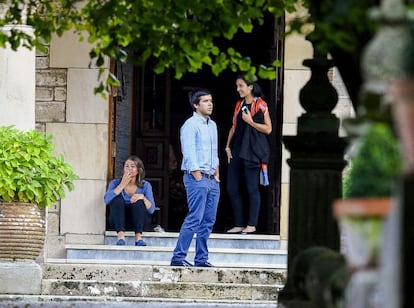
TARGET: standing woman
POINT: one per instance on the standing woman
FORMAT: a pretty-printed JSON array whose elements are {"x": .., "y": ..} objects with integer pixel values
[
  {"x": 247, "y": 152},
  {"x": 131, "y": 196}
]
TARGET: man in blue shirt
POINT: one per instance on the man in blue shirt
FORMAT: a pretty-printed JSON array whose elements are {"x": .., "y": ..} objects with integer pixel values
[{"x": 199, "y": 146}]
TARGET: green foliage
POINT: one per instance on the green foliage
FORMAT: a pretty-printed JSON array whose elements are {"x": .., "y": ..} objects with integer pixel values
[
  {"x": 335, "y": 23},
  {"x": 375, "y": 166},
  {"x": 180, "y": 34},
  {"x": 408, "y": 52},
  {"x": 46, "y": 17},
  {"x": 29, "y": 172}
]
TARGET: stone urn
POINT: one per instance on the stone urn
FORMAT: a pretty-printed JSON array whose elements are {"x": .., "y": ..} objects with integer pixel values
[
  {"x": 22, "y": 231},
  {"x": 361, "y": 222}
]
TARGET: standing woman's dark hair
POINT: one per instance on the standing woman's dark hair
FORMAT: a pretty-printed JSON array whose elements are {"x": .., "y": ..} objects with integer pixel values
[
  {"x": 194, "y": 96},
  {"x": 257, "y": 89},
  {"x": 141, "y": 169}
]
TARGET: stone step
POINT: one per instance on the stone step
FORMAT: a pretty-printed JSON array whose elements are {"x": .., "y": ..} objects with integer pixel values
[
  {"x": 161, "y": 289},
  {"x": 216, "y": 240},
  {"x": 125, "y": 285},
  {"x": 162, "y": 283},
  {"x": 64, "y": 301},
  {"x": 221, "y": 257},
  {"x": 59, "y": 269},
  {"x": 225, "y": 250}
]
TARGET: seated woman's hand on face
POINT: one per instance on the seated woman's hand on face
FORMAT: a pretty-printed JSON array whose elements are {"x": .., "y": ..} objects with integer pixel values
[{"x": 126, "y": 178}]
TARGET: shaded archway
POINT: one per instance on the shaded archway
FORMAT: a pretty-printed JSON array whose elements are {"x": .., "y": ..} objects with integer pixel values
[{"x": 155, "y": 107}]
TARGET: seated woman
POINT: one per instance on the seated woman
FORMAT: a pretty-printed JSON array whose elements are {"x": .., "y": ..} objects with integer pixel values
[{"x": 132, "y": 197}]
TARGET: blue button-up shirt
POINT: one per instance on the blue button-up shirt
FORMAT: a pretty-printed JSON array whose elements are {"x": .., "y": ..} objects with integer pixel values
[{"x": 199, "y": 144}]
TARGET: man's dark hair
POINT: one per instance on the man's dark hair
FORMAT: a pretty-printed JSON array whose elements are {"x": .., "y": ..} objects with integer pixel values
[{"x": 194, "y": 96}]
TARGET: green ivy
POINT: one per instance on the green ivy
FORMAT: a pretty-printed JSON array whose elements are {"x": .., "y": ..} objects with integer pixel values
[{"x": 29, "y": 171}]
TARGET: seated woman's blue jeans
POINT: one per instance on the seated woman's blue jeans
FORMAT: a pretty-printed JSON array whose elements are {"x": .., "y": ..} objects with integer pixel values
[{"x": 123, "y": 217}]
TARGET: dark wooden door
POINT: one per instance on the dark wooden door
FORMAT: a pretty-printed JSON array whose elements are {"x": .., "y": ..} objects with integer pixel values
[{"x": 151, "y": 118}]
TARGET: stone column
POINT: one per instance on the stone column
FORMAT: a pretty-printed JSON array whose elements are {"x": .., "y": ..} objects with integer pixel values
[
  {"x": 316, "y": 166},
  {"x": 17, "y": 83},
  {"x": 17, "y": 107},
  {"x": 392, "y": 46}
]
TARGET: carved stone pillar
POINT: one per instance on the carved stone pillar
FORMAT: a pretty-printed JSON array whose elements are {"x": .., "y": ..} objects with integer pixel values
[
  {"x": 316, "y": 165},
  {"x": 17, "y": 107}
]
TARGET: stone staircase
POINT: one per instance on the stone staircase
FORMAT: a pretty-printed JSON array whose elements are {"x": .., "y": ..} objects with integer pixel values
[
  {"x": 249, "y": 272},
  {"x": 225, "y": 250}
]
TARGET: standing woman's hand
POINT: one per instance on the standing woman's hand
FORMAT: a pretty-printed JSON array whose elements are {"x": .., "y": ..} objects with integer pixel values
[
  {"x": 228, "y": 153},
  {"x": 247, "y": 117}
]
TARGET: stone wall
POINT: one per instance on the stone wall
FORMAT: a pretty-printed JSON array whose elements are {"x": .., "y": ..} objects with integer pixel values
[
  {"x": 50, "y": 91},
  {"x": 78, "y": 120}
]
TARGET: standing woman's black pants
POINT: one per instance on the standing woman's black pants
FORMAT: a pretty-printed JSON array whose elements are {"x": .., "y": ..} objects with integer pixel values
[{"x": 238, "y": 171}]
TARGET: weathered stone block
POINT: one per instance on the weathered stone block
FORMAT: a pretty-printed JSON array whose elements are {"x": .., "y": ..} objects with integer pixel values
[
  {"x": 55, "y": 247},
  {"x": 20, "y": 277},
  {"x": 68, "y": 51},
  {"x": 56, "y": 77},
  {"x": 83, "y": 106},
  {"x": 60, "y": 94},
  {"x": 50, "y": 111},
  {"x": 44, "y": 94},
  {"x": 42, "y": 62},
  {"x": 53, "y": 223},
  {"x": 83, "y": 146}
]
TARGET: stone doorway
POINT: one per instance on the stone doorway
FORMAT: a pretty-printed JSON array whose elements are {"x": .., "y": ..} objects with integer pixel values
[{"x": 149, "y": 109}]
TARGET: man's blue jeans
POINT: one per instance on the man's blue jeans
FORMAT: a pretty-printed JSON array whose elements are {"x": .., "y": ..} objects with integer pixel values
[{"x": 202, "y": 198}]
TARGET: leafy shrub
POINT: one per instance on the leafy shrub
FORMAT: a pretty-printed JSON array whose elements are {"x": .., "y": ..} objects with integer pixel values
[
  {"x": 375, "y": 166},
  {"x": 29, "y": 171}
]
